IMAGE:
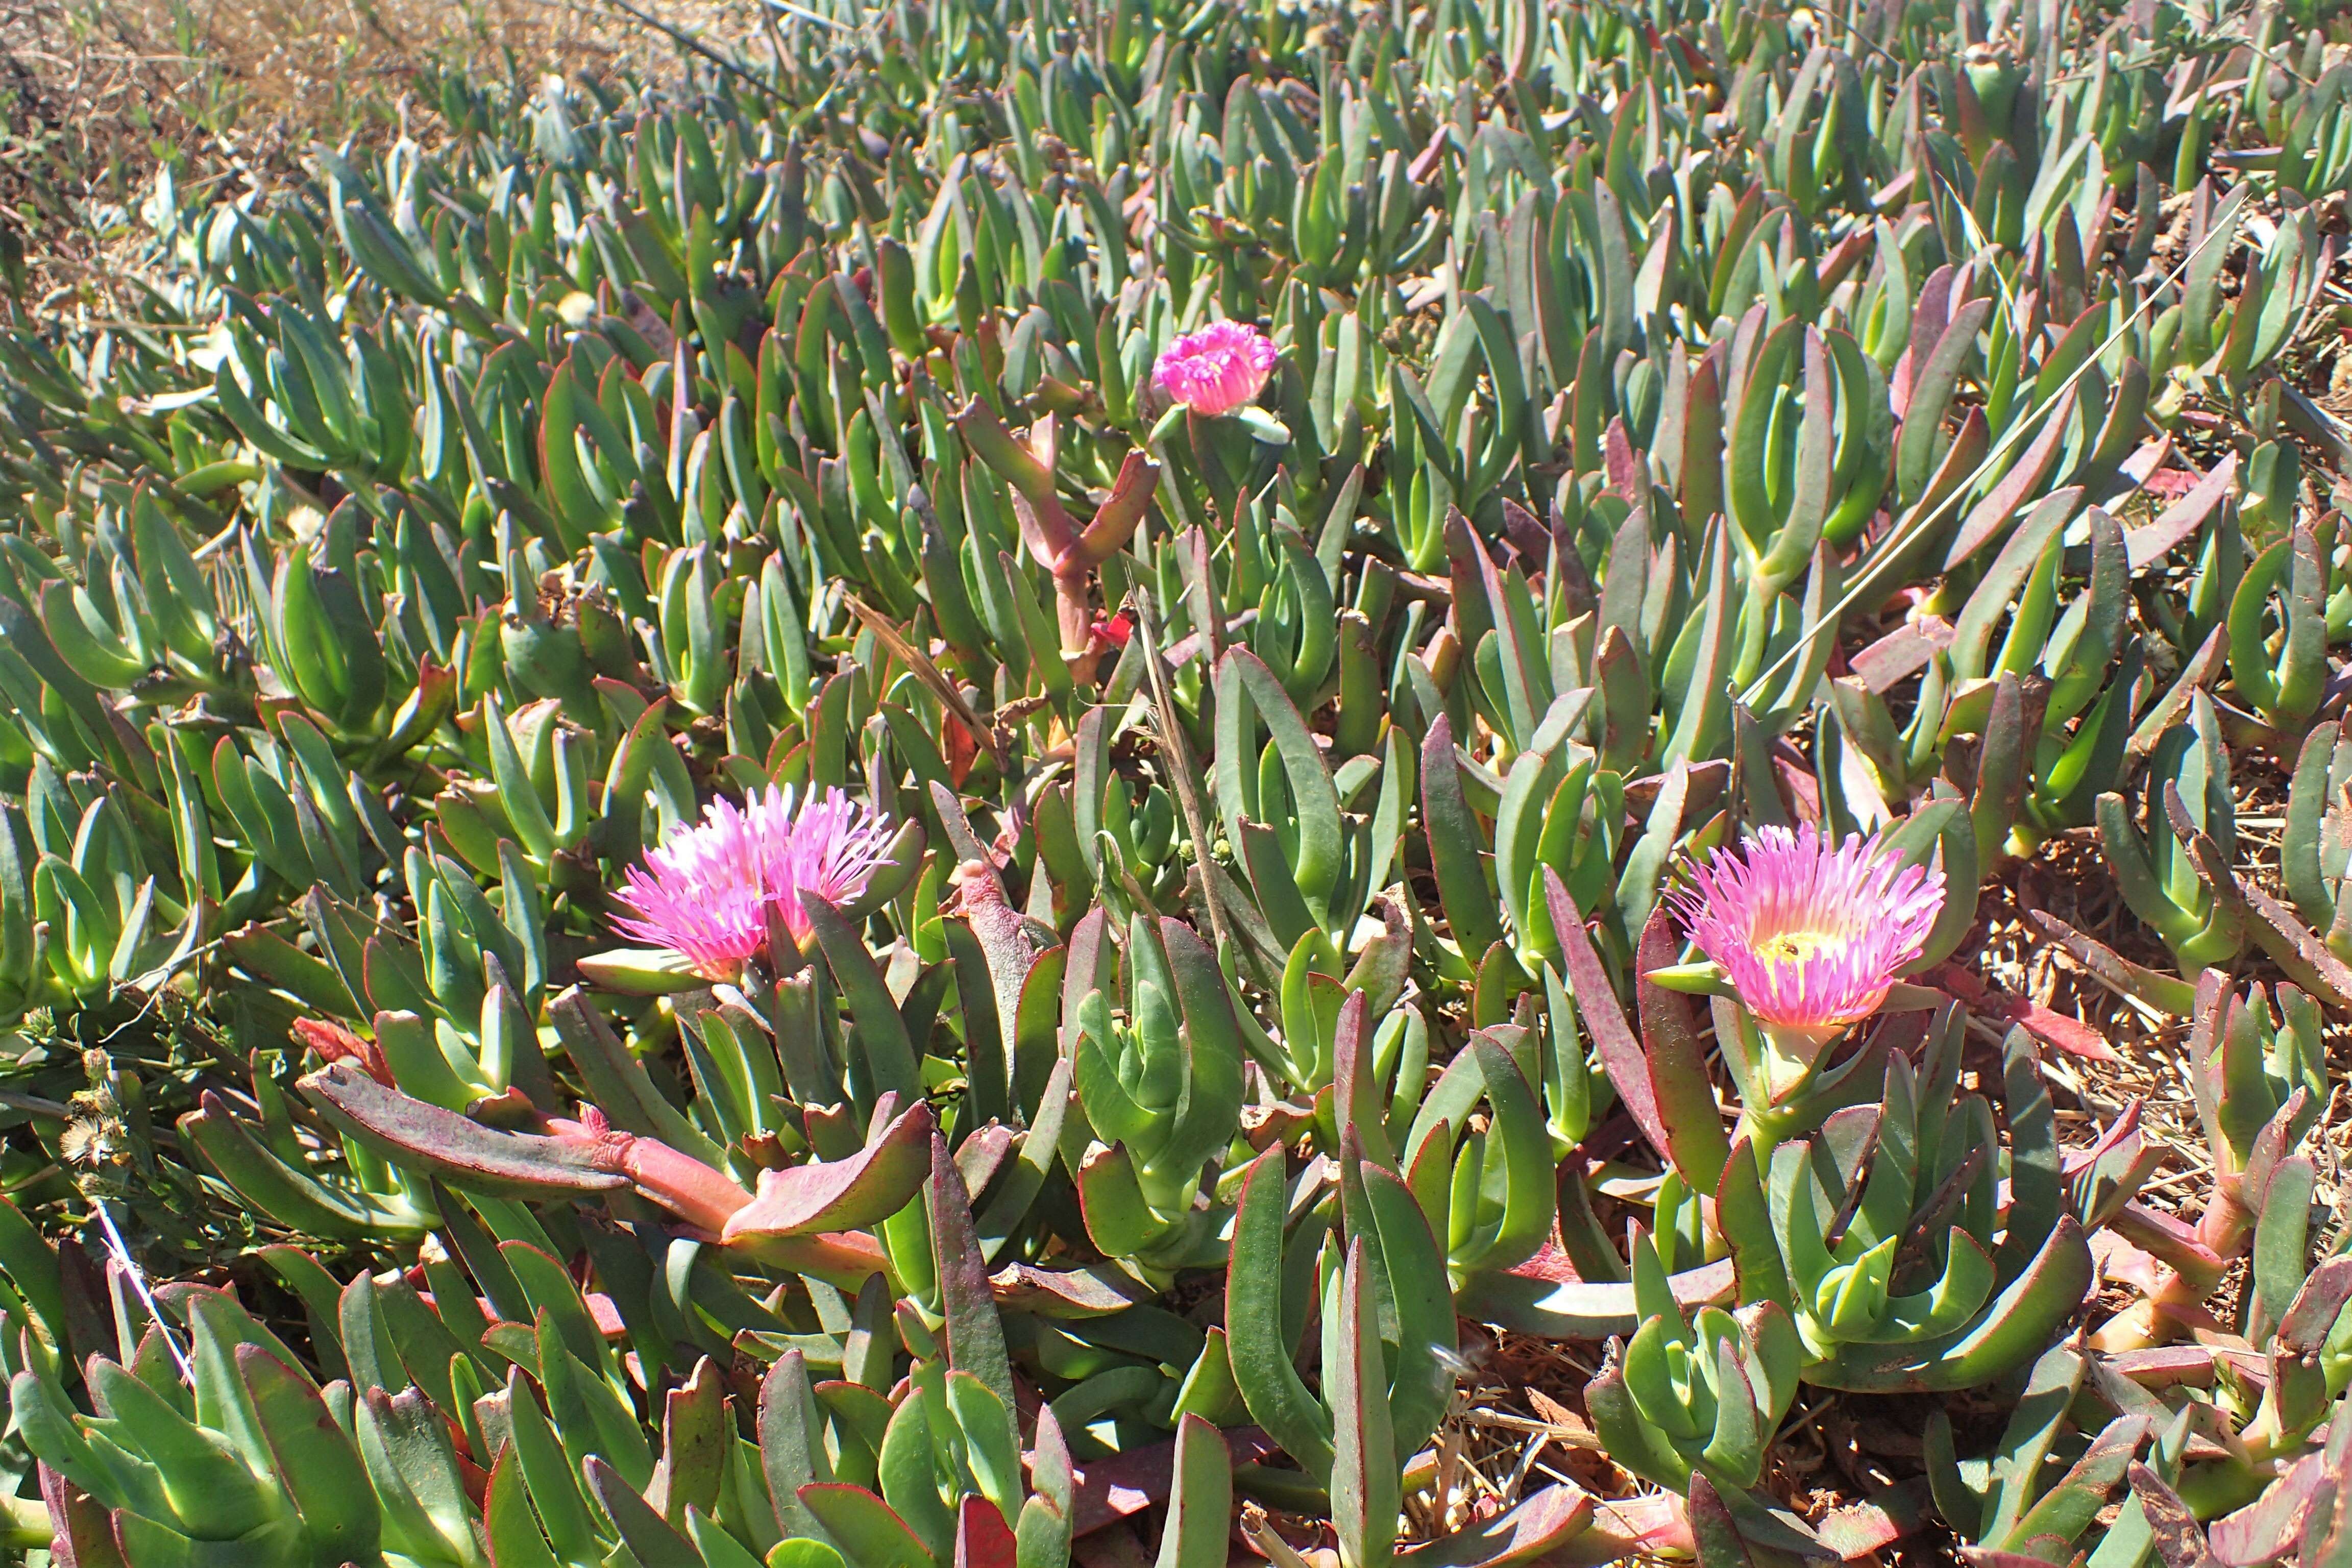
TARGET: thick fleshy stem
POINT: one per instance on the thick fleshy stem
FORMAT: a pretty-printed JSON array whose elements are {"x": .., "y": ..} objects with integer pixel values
[
  {"x": 698, "y": 1194},
  {"x": 1070, "y": 552}
]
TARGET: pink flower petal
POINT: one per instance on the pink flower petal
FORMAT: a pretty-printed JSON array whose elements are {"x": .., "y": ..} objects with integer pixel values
[
  {"x": 1217, "y": 369},
  {"x": 705, "y": 893},
  {"x": 1810, "y": 934}
]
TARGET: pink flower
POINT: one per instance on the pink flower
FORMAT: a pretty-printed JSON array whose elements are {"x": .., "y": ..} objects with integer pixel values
[
  {"x": 1217, "y": 369},
  {"x": 706, "y": 892},
  {"x": 1810, "y": 934}
]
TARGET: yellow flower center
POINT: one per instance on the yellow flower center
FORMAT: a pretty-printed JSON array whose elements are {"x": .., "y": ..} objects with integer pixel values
[{"x": 1791, "y": 947}]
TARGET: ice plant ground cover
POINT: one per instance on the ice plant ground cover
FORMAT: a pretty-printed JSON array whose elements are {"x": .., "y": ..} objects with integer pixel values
[{"x": 1020, "y": 783}]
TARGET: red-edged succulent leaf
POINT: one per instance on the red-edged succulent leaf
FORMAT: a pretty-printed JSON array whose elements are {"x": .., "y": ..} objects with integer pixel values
[
  {"x": 982, "y": 1538},
  {"x": 1677, "y": 1060},
  {"x": 2055, "y": 1030},
  {"x": 975, "y": 1334},
  {"x": 2268, "y": 1528},
  {"x": 1587, "y": 983},
  {"x": 1535, "y": 1299},
  {"x": 461, "y": 1152},
  {"x": 1543, "y": 1525},
  {"x": 1714, "y": 1533},
  {"x": 841, "y": 1195},
  {"x": 2179, "y": 1543},
  {"x": 870, "y": 1532},
  {"x": 646, "y": 1533},
  {"x": 1857, "y": 1530},
  {"x": 83, "y": 1537},
  {"x": 2104, "y": 1178},
  {"x": 1657, "y": 1524},
  {"x": 335, "y": 1043},
  {"x": 844, "y": 1260}
]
